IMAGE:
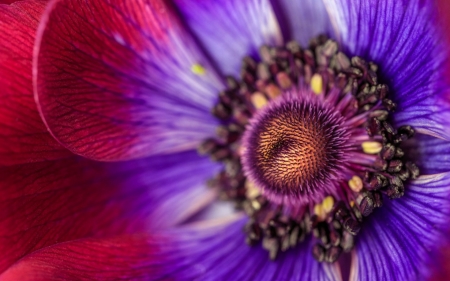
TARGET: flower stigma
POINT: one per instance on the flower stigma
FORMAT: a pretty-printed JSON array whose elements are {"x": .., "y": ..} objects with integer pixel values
[{"x": 308, "y": 147}]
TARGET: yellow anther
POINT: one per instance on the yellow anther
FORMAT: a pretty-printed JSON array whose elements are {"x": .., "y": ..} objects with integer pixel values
[
  {"x": 198, "y": 69},
  {"x": 251, "y": 190},
  {"x": 320, "y": 212},
  {"x": 327, "y": 204},
  {"x": 317, "y": 84},
  {"x": 258, "y": 100},
  {"x": 371, "y": 147},
  {"x": 272, "y": 91},
  {"x": 355, "y": 183},
  {"x": 352, "y": 203}
]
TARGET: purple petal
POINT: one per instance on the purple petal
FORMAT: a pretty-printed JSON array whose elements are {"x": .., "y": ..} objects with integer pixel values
[
  {"x": 432, "y": 155},
  {"x": 55, "y": 201},
  {"x": 302, "y": 20},
  {"x": 397, "y": 242},
  {"x": 231, "y": 29},
  {"x": 405, "y": 40},
  {"x": 203, "y": 252},
  {"x": 121, "y": 80}
]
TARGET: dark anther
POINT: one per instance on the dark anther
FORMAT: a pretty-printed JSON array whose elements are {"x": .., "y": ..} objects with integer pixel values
[
  {"x": 340, "y": 211},
  {"x": 382, "y": 90},
  {"x": 335, "y": 237},
  {"x": 347, "y": 241},
  {"x": 380, "y": 164},
  {"x": 208, "y": 146},
  {"x": 359, "y": 63},
  {"x": 357, "y": 213},
  {"x": 221, "y": 111},
  {"x": 413, "y": 170},
  {"x": 342, "y": 62},
  {"x": 395, "y": 166},
  {"x": 354, "y": 72},
  {"x": 220, "y": 154},
  {"x": 232, "y": 83},
  {"x": 319, "y": 252},
  {"x": 294, "y": 235},
  {"x": 404, "y": 174},
  {"x": 381, "y": 115},
  {"x": 376, "y": 182},
  {"x": 352, "y": 226},
  {"x": 272, "y": 245},
  {"x": 406, "y": 130},
  {"x": 389, "y": 104},
  {"x": 333, "y": 254},
  {"x": 377, "y": 199},
  {"x": 396, "y": 188},
  {"x": 249, "y": 64},
  {"x": 399, "y": 152},
  {"x": 388, "y": 151},
  {"x": 399, "y": 138},
  {"x": 366, "y": 206},
  {"x": 372, "y": 77},
  {"x": 227, "y": 135},
  {"x": 373, "y": 67},
  {"x": 373, "y": 127},
  {"x": 388, "y": 127}
]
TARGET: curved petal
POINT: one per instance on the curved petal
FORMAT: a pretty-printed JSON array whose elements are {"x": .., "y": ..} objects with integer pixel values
[
  {"x": 201, "y": 253},
  {"x": 404, "y": 38},
  {"x": 50, "y": 202},
  {"x": 23, "y": 136},
  {"x": 303, "y": 20},
  {"x": 397, "y": 242},
  {"x": 432, "y": 155},
  {"x": 119, "y": 80},
  {"x": 232, "y": 29}
]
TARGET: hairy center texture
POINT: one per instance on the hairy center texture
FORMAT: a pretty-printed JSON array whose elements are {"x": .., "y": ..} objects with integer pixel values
[{"x": 291, "y": 148}]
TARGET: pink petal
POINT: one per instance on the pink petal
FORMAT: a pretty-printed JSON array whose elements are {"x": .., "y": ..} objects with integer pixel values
[
  {"x": 23, "y": 136},
  {"x": 122, "y": 79},
  {"x": 55, "y": 201}
]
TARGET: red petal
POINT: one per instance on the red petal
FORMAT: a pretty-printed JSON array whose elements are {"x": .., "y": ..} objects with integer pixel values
[
  {"x": 23, "y": 136},
  {"x": 114, "y": 79},
  {"x": 50, "y": 202},
  {"x": 121, "y": 258},
  {"x": 208, "y": 251}
]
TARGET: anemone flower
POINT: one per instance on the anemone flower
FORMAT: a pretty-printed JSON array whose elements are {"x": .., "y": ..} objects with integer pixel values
[{"x": 124, "y": 124}]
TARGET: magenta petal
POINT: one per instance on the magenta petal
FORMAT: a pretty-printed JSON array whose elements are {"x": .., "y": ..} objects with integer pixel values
[
  {"x": 122, "y": 79},
  {"x": 50, "y": 202},
  {"x": 23, "y": 136}
]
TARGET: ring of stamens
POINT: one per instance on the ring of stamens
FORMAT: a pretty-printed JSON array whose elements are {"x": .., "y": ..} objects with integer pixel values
[{"x": 375, "y": 167}]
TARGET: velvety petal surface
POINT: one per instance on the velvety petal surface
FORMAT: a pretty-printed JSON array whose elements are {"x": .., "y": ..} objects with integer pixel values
[
  {"x": 23, "y": 136},
  {"x": 118, "y": 79},
  {"x": 398, "y": 241},
  {"x": 406, "y": 40},
  {"x": 55, "y": 201},
  {"x": 302, "y": 20},
  {"x": 203, "y": 252},
  {"x": 231, "y": 29},
  {"x": 432, "y": 155}
]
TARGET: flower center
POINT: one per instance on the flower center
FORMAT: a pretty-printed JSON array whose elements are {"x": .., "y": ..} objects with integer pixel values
[
  {"x": 292, "y": 148},
  {"x": 308, "y": 147}
]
